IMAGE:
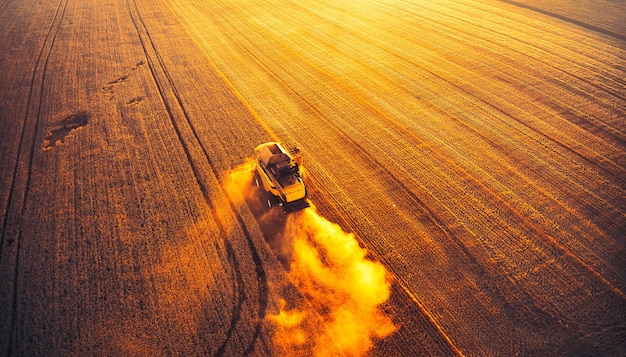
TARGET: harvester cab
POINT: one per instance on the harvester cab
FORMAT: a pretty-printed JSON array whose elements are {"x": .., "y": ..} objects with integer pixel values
[{"x": 279, "y": 172}]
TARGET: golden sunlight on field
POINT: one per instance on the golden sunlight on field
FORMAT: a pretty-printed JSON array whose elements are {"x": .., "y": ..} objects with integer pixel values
[{"x": 466, "y": 158}]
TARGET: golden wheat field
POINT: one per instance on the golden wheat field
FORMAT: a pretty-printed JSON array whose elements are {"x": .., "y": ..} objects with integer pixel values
[{"x": 465, "y": 162}]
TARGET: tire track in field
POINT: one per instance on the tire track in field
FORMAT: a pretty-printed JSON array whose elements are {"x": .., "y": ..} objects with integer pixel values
[
  {"x": 34, "y": 100},
  {"x": 20, "y": 183},
  {"x": 167, "y": 88},
  {"x": 3, "y": 5}
]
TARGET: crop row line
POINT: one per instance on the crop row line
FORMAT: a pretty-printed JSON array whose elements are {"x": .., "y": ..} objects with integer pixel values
[{"x": 606, "y": 164}]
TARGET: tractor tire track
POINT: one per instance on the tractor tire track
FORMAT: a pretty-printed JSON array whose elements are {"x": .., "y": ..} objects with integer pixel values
[
  {"x": 20, "y": 186},
  {"x": 34, "y": 101},
  {"x": 157, "y": 70},
  {"x": 179, "y": 116},
  {"x": 3, "y": 5}
]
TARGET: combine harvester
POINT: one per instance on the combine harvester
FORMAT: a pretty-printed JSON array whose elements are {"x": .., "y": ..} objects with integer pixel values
[{"x": 278, "y": 171}]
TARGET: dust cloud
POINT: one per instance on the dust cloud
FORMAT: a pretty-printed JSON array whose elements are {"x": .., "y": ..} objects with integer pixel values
[
  {"x": 238, "y": 181},
  {"x": 343, "y": 289}
]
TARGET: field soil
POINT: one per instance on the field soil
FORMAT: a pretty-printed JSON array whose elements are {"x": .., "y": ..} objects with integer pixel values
[{"x": 468, "y": 157}]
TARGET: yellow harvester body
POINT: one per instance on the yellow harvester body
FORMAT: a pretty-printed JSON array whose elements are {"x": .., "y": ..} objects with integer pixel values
[{"x": 280, "y": 175}]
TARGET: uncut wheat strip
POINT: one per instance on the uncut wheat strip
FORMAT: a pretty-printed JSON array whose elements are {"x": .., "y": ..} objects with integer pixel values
[
  {"x": 495, "y": 56},
  {"x": 571, "y": 107},
  {"x": 573, "y": 39},
  {"x": 615, "y": 81}
]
